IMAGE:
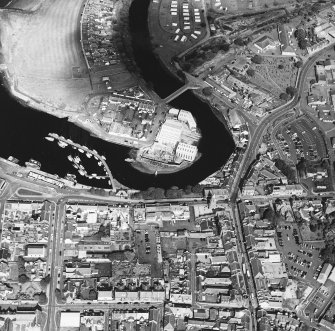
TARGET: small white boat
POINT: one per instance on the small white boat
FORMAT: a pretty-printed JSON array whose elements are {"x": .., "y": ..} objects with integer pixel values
[
  {"x": 33, "y": 164},
  {"x": 80, "y": 150},
  {"x": 89, "y": 155},
  {"x": 77, "y": 159},
  {"x": 13, "y": 159},
  {"x": 103, "y": 157},
  {"x": 49, "y": 138},
  {"x": 70, "y": 158},
  {"x": 81, "y": 172},
  {"x": 62, "y": 144},
  {"x": 156, "y": 173},
  {"x": 96, "y": 157},
  {"x": 100, "y": 163}
]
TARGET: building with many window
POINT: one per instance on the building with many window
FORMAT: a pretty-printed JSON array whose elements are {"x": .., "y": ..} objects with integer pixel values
[{"x": 186, "y": 151}]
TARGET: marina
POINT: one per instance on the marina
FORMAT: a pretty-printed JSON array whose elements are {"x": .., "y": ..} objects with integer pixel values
[{"x": 77, "y": 162}]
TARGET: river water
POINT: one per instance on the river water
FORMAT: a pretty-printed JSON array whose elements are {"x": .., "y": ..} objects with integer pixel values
[{"x": 22, "y": 130}]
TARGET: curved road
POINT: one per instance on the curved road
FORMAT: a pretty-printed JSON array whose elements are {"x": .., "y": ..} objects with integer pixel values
[{"x": 251, "y": 150}]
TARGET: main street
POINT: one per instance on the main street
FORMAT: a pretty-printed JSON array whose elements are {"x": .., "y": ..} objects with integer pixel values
[
  {"x": 274, "y": 115},
  {"x": 57, "y": 226},
  {"x": 248, "y": 158}
]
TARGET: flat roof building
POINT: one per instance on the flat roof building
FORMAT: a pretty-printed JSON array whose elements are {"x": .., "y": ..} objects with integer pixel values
[
  {"x": 69, "y": 319},
  {"x": 170, "y": 132},
  {"x": 186, "y": 151}
]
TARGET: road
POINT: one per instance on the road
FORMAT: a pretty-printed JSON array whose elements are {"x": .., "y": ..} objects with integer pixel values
[
  {"x": 249, "y": 157},
  {"x": 275, "y": 114},
  {"x": 57, "y": 225}
]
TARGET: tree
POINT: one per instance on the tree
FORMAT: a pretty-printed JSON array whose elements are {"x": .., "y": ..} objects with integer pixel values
[
  {"x": 186, "y": 66},
  {"x": 300, "y": 34},
  {"x": 42, "y": 298},
  {"x": 298, "y": 64},
  {"x": 257, "y": 59},
  {"x": 316, "y": 7},
  {"x": 251, "y": 72},
  {"x": 92, "y": 294},
  {"x": 287, "y": 170},
  {"x": 58, "y": 294},
  {"x": 21, "y": 265},
  {"x": 302, "y": 44},
  {"x": 284, "y": 96},
  {"x": 23, "y": 278},
  {"x": 174, "y": 193},
  {"x": 312, "y": 81},
  {"x": 280, "y": 66},
  {"x": 153, "y": 193},
  {"x": 188, "y": 189},
  {"x": 207, "y": 91},
  {"x": 239, "y": 41},
  {"x": 45, "y": 281},
  {"x": 291, "y": 91},
  {"x": 197, "y": 188},
  {"x": 225, "y": 47}
]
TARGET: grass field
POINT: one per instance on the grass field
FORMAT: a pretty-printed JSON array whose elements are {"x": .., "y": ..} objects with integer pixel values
[
  {"x": 239, "y": 6},
  {"x": 43, "y": 52},
  {"x": 29, "y": 5}
]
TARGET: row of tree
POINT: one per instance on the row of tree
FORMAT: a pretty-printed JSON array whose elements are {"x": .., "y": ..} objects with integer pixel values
[{"x": 156, "y": 193}]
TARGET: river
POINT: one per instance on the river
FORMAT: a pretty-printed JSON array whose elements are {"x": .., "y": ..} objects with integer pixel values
[{"x": 22, "y": 130}]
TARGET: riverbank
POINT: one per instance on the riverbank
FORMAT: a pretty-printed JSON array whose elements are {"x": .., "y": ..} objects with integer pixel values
[
  {"x": 151, "y": 167},
  {"x": 24, "y": 130}
]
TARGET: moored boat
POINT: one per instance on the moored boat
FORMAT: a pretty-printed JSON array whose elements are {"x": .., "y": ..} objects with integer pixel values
[{"x": 33, "y": 164}]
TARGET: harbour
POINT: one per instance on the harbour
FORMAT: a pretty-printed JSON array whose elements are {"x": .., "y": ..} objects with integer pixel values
[
  {"x": 76, "y": 161},
  {"x": 24, "y": 138}
]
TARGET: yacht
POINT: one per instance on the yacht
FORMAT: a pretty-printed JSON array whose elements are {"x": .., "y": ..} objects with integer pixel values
[
  {"x": 13, "y": 159},
  {"x": 89, "y": 155},
  {"x": 62, "y": 144},
  {"x": 71, "y": 177},
  {"x": 70, "y": 158},
  {"x": 33, "y": 164},
  {"x": 80, "y": 150}
]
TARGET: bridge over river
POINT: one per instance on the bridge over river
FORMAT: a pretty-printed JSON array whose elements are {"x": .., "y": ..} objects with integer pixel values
[{"x": 191, "y": 83}]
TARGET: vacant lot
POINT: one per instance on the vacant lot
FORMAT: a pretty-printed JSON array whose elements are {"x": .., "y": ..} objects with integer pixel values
[{"x": 42, "y": 52}]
